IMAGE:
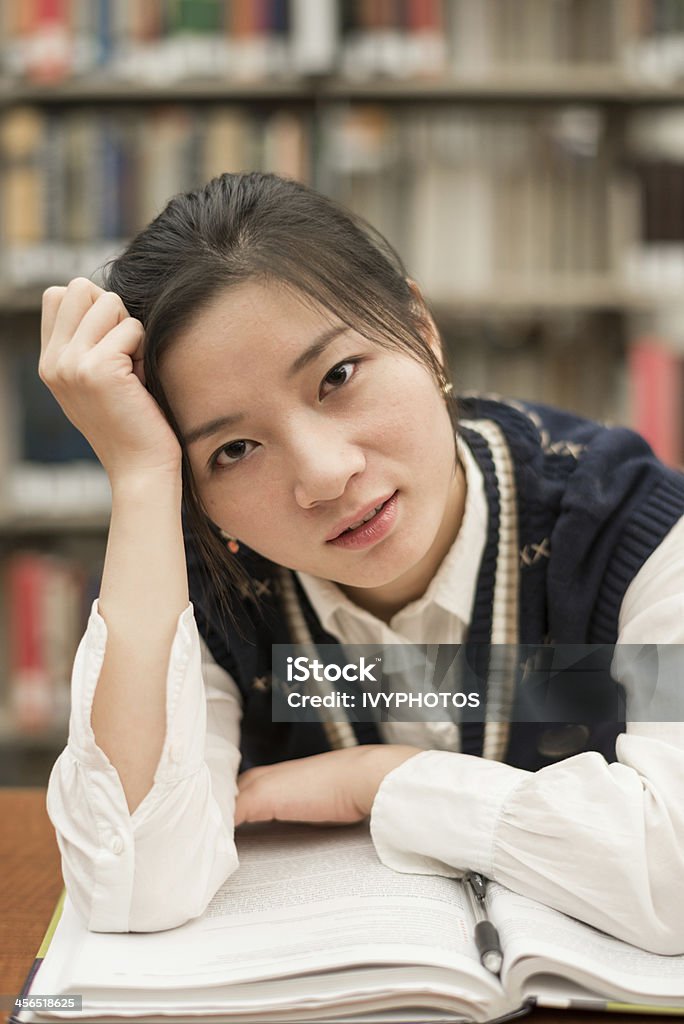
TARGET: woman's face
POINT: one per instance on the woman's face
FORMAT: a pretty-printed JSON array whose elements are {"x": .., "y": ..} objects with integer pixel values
[{"x": 297, "y": 426}]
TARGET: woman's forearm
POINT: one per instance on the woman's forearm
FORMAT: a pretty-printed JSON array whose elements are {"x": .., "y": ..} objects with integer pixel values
[{"x": 144, "y": 590}]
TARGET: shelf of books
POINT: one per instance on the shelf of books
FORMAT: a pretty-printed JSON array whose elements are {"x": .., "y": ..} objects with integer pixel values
[{"x": 525, "y": 159}]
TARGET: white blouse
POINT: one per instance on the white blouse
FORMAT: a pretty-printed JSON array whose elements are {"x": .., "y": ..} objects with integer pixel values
[{"x": 603, "y": 842}]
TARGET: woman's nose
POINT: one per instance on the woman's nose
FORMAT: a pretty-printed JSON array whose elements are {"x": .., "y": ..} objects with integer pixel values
[{"x": 323, "y": 466}]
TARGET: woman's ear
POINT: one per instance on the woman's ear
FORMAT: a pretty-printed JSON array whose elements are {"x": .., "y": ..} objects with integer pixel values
[{"x": 430, "y": 332}]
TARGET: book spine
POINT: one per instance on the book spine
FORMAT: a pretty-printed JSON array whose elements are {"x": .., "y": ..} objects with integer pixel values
[
  {"x": 48, "y": 53},
  {"x": 471, "y": 38},
  {"x": 22, "y": 135},
  {"x": 657, "y": 397},
  {"x": 426, "y": 43},
  {"x": 314, "y": 37},
  {"x": 248, "y": 37},
  {"x": 31, "y": 694},
  {"x": 104, "y": 34},
  {"x": 62, "y": 625}
]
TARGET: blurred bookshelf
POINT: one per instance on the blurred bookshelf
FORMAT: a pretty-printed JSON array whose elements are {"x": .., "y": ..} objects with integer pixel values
[{"x": 525, "y": 157}]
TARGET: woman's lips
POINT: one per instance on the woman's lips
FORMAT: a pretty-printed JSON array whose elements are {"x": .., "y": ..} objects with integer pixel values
[
  {"x": 371, "y": 532},
  {"x": 349, "y": 521}
]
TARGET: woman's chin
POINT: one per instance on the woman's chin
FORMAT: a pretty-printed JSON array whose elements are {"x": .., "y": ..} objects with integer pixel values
[{"x": 397, "y": 571}]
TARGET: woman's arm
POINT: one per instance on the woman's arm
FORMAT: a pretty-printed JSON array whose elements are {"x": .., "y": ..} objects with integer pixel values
[
  {"x": 91, "y": 360},
  {"x": 602, "y": 842},
  {"x": 160, "y": 866},
  {"x": 144, "y": 590},
  {"x": 144, "y": 844}
]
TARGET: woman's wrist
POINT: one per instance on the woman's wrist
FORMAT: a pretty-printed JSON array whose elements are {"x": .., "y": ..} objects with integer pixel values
[
  {"x": 379, "y": 761},
  {"x": 142, "y": 485}
]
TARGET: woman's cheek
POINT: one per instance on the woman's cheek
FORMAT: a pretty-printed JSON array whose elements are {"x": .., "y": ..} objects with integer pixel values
[{"x": 224, "y": 511}]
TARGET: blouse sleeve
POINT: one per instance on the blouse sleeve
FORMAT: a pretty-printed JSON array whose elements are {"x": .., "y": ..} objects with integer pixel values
[
  {"x": 601, "y": 842},
  {"x": 159, "y": 866}
]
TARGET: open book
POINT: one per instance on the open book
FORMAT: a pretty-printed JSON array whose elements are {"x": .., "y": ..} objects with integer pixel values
[{"x": 313, "y": 927}]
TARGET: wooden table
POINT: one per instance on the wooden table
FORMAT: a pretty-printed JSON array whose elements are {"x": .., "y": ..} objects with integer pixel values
[{"x": 31, "y": 881}]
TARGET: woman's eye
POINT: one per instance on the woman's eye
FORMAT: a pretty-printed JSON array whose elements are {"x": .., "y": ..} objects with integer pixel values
[
  {"x": 231, "y": 453},
  {"x": 339, "y": 374}
]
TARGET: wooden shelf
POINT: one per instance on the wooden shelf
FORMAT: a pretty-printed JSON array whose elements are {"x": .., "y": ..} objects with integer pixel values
[
  {"x": 105, "y": 89},
  {"x": 552, "y": 86},
  {"x": 583, "y": 294},
  {"x": 565, "y": 85},
  {"x": 587, "y": 293},
  {"x": 21, "y": 301},
  {"x": 32, "y": 525},
  {"x": 53, "y": 740}
]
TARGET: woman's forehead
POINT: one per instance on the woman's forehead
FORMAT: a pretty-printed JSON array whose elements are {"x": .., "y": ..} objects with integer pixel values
[{"x": 256, "y": 311}]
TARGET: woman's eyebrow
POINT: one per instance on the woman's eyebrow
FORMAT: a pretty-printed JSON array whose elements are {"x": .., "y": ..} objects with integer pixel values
[
  {"x": 212, "y": 427},
  {"x": 317, "y": 346}
]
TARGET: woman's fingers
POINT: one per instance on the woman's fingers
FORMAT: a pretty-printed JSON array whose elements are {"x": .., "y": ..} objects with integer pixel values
[
  {"x": 76, "y": 320},
  {"x": 79, "y": 296},
  {"x": 104, "y": 314},
  {"x": 128, "y": 337},
  {"x": 112, "y": 355},
  {"x": 52, "y": 300},
  {"x": 91, "y": 360}
]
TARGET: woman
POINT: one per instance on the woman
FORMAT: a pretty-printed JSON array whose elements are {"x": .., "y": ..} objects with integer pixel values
[{"x": 296, "y": 410}]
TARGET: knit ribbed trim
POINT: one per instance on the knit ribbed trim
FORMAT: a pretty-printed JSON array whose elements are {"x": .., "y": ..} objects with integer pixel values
[
  {"x": 645, "y": 530},
  {"x": 336, "y": 726},
  {"x": 480, "y": 629},
  {"x": 505, "y": 597}
]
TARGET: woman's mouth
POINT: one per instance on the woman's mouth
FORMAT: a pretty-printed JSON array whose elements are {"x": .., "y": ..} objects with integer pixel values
[{"x": 374, "y": 526}]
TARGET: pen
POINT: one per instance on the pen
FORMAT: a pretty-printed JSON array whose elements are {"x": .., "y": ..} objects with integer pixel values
[{"x": 486, "y": 935}]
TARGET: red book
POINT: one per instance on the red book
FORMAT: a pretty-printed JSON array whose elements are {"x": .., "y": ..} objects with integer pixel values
[
  {"x": 424, "y": 15},
  {"x": 657, "y": 396},
  {"x": 31, "y": 694},
  {"x": 49, "y": 55},
  {"x": 245, "y": 18},
  {"x": 426, "y": 38}
]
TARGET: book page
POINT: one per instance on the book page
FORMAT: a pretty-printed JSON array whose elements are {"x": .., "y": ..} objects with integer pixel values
[
  {"x": 538, "y": 939},
  {"x": 303, "y": 900},
  {"x": 359, "y": 992}
]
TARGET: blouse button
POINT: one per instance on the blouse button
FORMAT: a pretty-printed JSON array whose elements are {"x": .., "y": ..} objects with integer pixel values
[
  {"x": 116, "y": 844},
  {"x": 563, "y": 741}
]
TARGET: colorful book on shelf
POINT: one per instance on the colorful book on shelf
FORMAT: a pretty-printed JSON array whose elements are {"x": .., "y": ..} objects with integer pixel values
[
  {"x": 46, "y": 619},
  {"x": 393, "y": 39},
  {"x": 22, "y": 136},
  {"x": 313, "y": 927},
  {"x": 656, "y": 376},
  {"x": 30, "y": 686},
  {"x": 47, "y": 41},
  {"x": 314, "y": 36},
  {"x": 80, "y": 183}
]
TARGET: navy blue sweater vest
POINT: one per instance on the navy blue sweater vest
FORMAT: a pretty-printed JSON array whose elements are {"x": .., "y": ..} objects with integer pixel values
[{"x": 592, "y": 503}]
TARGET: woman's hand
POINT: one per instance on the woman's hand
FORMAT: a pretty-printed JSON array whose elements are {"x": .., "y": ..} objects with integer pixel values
[
  {"x": 336, "y": 787},
  {"x": 91, "y": 360}
]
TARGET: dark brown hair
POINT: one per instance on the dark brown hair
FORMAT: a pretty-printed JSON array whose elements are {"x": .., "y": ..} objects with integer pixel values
[{"x": 246, "y": 227}]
